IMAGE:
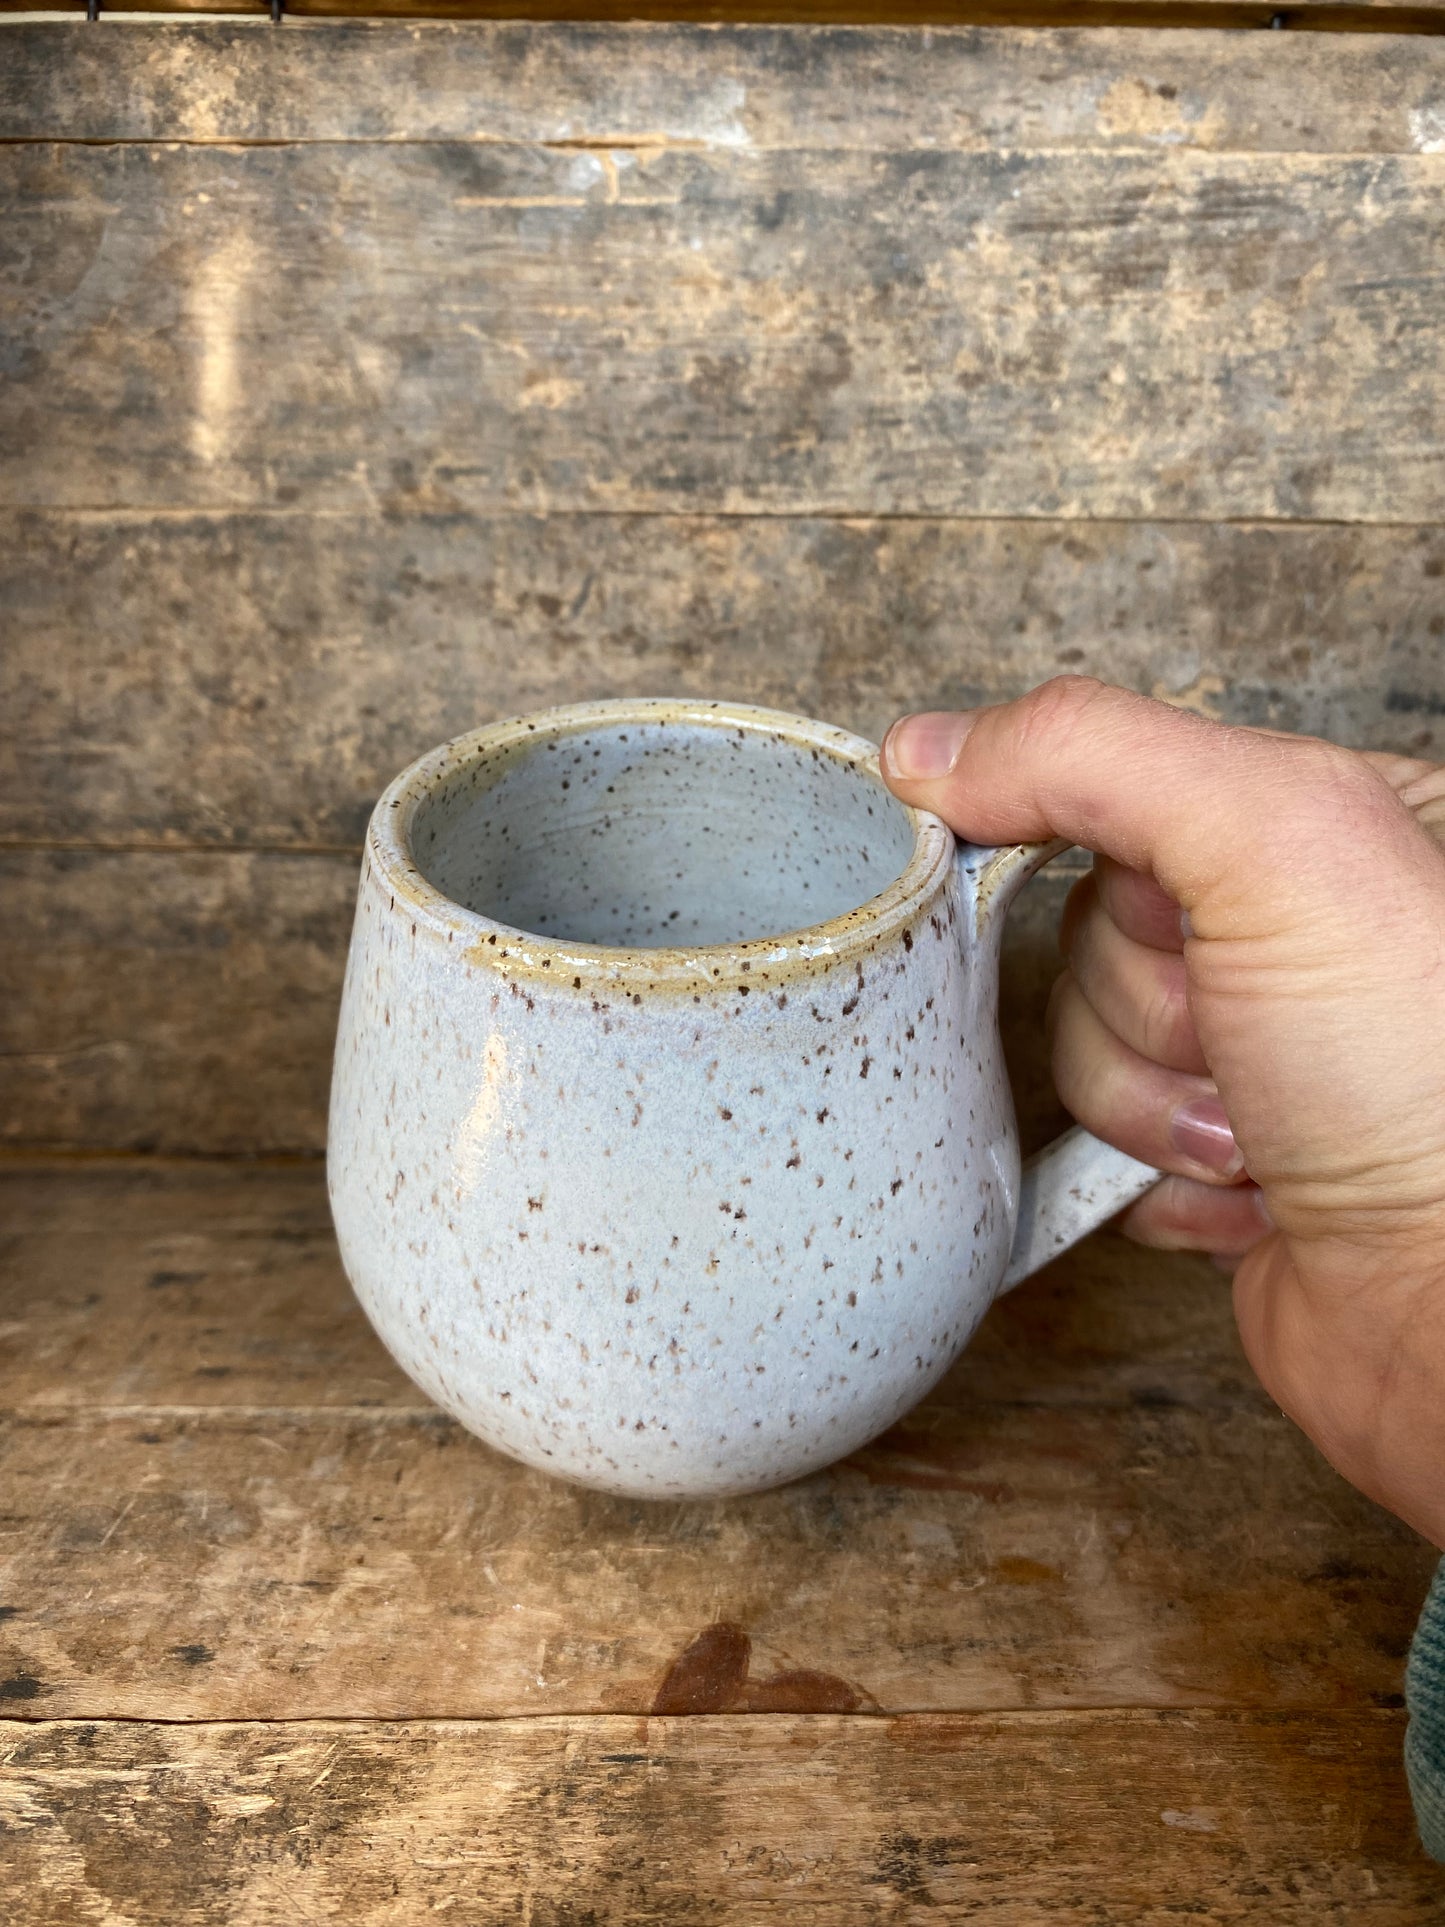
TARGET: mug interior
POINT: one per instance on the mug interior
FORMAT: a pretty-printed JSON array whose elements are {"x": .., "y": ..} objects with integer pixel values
[{"x": 645, "y": 834}]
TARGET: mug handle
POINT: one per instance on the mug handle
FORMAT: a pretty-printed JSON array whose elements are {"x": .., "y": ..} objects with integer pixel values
[{"x": 1078, "y": 1182}]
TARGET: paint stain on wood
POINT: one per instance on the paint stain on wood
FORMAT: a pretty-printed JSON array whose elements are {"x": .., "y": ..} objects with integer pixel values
[
  {"x": 800, "y": 1689},
  {"x": 1026, "y": 1572},
  {"x": 710, "y": 1675}
]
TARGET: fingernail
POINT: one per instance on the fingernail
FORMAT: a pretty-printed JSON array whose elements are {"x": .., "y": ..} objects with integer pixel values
[
  {"x": 1261, "y": 1205},
  {"x": 919, "y": 749},
  {"x": 1200, "y": 1129}
]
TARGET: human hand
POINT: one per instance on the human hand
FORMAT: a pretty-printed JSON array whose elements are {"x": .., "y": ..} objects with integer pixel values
[{"x": 1254, "y": 1001}]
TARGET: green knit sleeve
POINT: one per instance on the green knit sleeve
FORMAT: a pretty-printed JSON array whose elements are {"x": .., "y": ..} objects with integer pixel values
[{"x": 1425, "y": 1735}]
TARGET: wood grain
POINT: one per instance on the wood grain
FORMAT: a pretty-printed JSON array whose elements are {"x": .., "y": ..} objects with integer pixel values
[
  {"x": 222, "y": 1502},
  {"x": 448, "y": 326},
  {"x": 1071, "y": 1819},
  {"x": 254, "y": 679},
  {"x": 274, "y": 1564},
  {"x": 832, "y": 90},
  {"x": 170, "y": 1002}
]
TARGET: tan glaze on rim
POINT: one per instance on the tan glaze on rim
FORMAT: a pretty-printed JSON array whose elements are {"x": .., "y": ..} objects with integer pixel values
[{"x": 760, "y": 963}]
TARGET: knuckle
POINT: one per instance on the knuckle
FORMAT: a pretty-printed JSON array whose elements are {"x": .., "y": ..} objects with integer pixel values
[
  {"x": 1168, "y": 1026},
  {"x": 1057, "y": 706},
  {"x": 1175, "y": 1206},
  {"x": 1339, "y": 780}
]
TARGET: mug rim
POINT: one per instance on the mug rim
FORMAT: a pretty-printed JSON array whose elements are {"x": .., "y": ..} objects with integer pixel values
[{"x": 752, "y": 964}]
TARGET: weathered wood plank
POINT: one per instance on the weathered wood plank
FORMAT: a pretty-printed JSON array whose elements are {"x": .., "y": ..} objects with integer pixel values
[
  {"x": 258, "y": 679},
  {"x": 186, "y": 1000},
  {"x": 154, "y": 1285},
  {"x": 255, "y": 1562},
  {"x": 769, "y": 87},
  {"x": 145, "y": 1283},
  {"x": 452, "y": 326},
  {"x": 268, "y": 1565},
  {"x": 172, "y": 1002},
  {"x": 1066, "y": 1819}
]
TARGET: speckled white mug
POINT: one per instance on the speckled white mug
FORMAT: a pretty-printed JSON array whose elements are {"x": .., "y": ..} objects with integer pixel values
[{"x": 670, "y": 1146}]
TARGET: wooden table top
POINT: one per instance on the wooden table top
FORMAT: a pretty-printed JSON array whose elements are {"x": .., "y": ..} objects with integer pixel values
[{"x": 1093, "y": 1636}]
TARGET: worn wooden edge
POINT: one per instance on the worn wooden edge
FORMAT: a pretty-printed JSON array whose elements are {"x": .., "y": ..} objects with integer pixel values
[
  {"x": 252, "y": 1562},
  {"x": 583, "y": 84},
  {"x": 179, "y": 1007},
  {"x": 1314, "y": 16},
  {"x": 1025, "y": 1818}
]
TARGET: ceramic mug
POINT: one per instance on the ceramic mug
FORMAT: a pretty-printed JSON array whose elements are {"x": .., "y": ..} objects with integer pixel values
[{"x": 670, "y": 1145}]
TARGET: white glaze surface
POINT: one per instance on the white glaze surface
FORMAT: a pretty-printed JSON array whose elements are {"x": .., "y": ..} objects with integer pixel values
[{"x": 668, "y": 1221}]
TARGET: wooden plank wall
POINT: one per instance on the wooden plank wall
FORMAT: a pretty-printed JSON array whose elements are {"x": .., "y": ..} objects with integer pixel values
[{"x": 365, "y": 382}]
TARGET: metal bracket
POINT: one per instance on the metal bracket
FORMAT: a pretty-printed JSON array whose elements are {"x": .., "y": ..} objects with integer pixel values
[
  {"x": 278, "y": 7},
  {"x": 92, "y": 9}
]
